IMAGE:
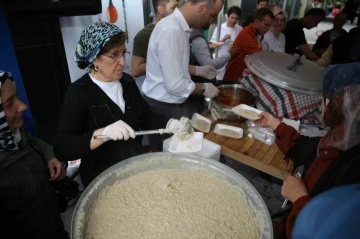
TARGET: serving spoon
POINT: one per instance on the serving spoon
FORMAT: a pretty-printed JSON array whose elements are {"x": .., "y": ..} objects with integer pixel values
[{"x": 182, "y": 128}]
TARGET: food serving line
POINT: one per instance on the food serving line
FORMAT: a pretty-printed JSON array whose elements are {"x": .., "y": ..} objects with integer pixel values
[{"x": 246, "y": 143}]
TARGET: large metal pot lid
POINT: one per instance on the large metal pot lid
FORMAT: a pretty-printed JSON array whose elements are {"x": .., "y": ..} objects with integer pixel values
[{"x": 287, "y": 71}]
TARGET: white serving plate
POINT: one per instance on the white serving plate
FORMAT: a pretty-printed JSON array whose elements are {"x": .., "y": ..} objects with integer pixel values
[
  {"x": 192, "y": 145},
  {"x": 219, "y": 127},
  {"x": 245, "y": 107},
  {"x": 208, "y": 150},
  {"x": 197, "y": 116}
]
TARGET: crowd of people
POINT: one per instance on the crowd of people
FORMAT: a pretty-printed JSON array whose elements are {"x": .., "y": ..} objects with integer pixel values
[{"x": 174, "y": 71}]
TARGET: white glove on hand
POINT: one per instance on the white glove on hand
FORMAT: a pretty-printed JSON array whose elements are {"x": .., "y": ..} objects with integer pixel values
[
  {"x": 207, "y": 72},
  {"x": 119, "y": 131},
  {"x": 210, "y": 90}
]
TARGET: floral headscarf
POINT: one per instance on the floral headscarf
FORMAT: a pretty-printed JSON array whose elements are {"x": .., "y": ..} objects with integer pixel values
[
  {"x": 7, "y": 137},
  {"x": 342, "y": 113},
  {"x": 92, "y": 40}
]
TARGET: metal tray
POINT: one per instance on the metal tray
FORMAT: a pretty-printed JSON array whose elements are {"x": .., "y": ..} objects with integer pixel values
[
  {"x": 145, "y": 162},
  {"x": 287, "y": 71}
]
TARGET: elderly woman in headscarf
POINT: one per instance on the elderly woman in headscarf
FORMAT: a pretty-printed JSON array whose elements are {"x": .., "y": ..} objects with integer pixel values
[
  {"x": 28, "y": 204},
  {"x": 274, "y": 40},
  {"x": 104, "y": 101},
  {"x": 332, "y": 160}
]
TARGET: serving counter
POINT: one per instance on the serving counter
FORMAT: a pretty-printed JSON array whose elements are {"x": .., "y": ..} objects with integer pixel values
[{"x": 249, "y": 151}]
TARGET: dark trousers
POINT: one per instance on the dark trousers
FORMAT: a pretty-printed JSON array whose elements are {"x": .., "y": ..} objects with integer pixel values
[{"x": 194, "y": 104}]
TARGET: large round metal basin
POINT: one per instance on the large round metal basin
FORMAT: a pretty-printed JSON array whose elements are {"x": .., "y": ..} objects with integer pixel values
[{"x": 152, "y": 161}]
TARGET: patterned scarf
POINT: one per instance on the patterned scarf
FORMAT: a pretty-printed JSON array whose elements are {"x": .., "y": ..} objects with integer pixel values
[
  {"x": 92, "y": 40},
  {"x": 7, "y": 137},
  {"x": 340, "y": 76}
]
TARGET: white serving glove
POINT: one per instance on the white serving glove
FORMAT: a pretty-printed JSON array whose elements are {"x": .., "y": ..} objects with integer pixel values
[
  {"x": 210, "y": 90},
  {"x": 207, "y": 72},
  {"x": 119, "y": 131}
]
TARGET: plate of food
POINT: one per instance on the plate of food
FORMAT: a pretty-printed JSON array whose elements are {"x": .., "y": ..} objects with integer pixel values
[
  {"x": 247, "y": 112},
  {"x": 200, "y": 123},
  {"x": 228, "y": 131},
  {"x": 191, "y": 145}
]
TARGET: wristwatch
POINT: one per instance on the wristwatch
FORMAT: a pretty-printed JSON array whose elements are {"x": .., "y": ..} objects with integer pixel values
[{"x": 203, "y": 88}]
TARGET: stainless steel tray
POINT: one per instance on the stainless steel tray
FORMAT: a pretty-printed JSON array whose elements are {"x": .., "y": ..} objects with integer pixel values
[{"x": 152, "y": 161}]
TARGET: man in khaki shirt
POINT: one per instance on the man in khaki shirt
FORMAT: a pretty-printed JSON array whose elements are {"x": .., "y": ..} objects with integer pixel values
[{"x": 162, "y": 9}]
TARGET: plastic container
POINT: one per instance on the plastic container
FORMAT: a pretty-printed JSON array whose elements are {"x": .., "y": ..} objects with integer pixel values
[
  {"x": 312, "y": 131},
  {"x": 219, "y": 127},
  {"x": 191, "y": 145},
  {"x": 196, "y": 117},
  {"x": 237, "y": 110},
  {"x": 208, "y": 150},
  {"x": 265, "y": 135}
]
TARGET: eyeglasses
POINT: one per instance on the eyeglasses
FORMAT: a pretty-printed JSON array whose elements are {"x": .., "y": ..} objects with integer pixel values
[{"x": 117, "y": 55}]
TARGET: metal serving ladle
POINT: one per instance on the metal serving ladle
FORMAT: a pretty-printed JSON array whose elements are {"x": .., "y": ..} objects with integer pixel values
[{"x": 173, "y": 126}]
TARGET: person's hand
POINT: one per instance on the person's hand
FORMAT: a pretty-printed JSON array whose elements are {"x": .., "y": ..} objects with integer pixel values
[
  {"x": 210, "y": 90},
  {"x": 328, "y": 53},
  {"x": 207, "y": 72},
  {"x": 326, "y": 57},
  {"x": 119, "y": 131},
  {"x": 234, "y": 51},
  {"x": 293, "y": 188},
  {"x": 267, "y": 120},
  {"x": 226, "y": 37},
  {"x": 57, "y": 169}
]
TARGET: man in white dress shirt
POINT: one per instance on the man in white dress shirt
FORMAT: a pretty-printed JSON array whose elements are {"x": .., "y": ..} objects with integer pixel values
[
  {"x": 162, "y": 8},
  {"x": 168, "y": 82}
]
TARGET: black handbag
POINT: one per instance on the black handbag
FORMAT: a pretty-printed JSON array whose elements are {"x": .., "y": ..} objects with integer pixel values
[{"x": 66, "y": 190}]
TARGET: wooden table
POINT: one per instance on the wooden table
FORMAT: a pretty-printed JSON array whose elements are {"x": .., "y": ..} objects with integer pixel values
[{"x": 249, "y": 151}]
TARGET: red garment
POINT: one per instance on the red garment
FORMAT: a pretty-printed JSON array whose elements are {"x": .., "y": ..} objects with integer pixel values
[
  {"x": 335, "y": 12},
  {"x": 285, "y": 139},
  {"x": 248, "y": 44}
]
